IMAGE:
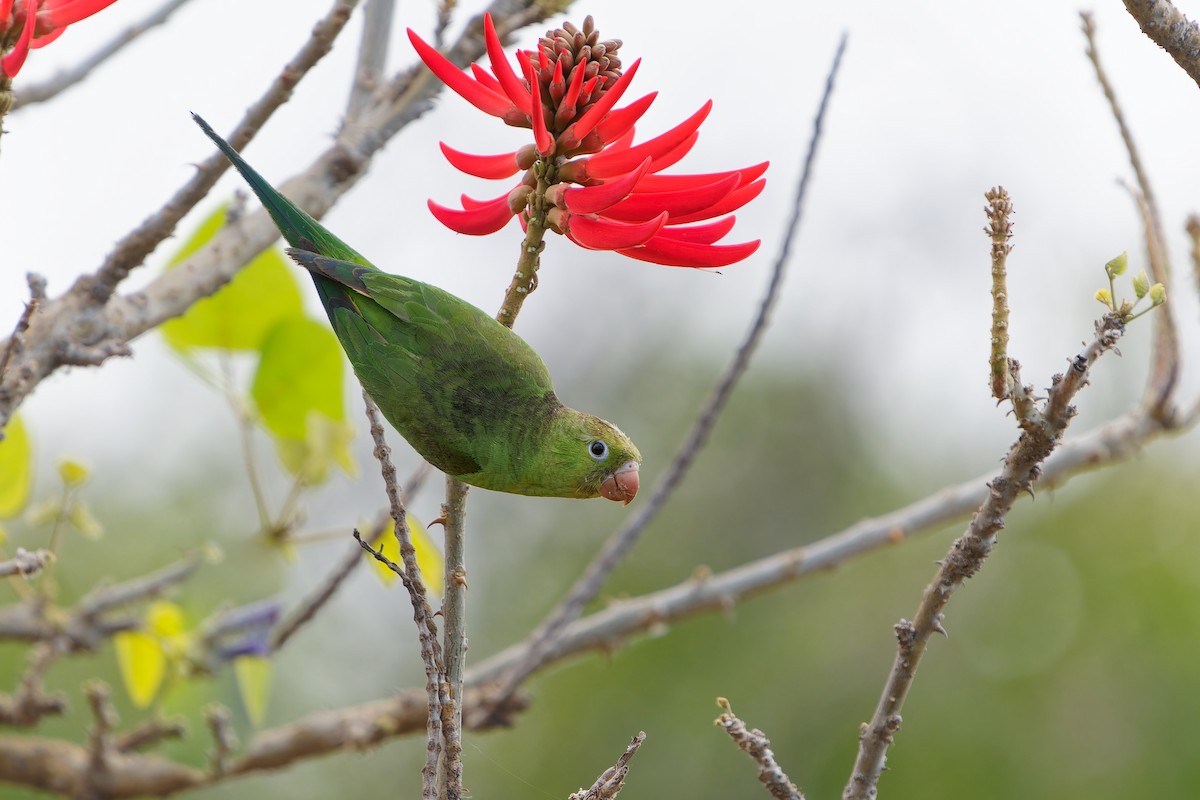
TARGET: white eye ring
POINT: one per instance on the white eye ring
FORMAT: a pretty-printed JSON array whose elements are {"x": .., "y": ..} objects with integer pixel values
[{"x": 598, "y": 450}]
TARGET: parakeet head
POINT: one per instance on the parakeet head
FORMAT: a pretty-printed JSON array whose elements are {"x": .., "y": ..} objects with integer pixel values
[{"x": 595, "y": 457}]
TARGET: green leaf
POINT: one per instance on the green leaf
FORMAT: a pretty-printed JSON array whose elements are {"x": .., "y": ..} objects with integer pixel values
[
  {"x": 297, "y": 389},
  {"x": 253, "y": 674},
  {"x": 16, "y": 469},
  {"x": 241, "y": 313},
  {"x": 142, "y": 663}
]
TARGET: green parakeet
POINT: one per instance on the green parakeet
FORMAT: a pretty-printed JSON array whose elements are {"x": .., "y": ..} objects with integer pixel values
[{"x": 466, "y": 392}]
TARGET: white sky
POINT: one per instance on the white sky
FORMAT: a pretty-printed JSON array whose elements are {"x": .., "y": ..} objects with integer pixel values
[{"x": 890, "y": 276}]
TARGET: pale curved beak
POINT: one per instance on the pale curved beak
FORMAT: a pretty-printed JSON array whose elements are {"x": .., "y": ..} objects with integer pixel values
[{"x": 622, "y": 485}]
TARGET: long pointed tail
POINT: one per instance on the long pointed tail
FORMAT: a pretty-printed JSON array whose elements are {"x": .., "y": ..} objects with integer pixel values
[{"x": 297, "y": 227}]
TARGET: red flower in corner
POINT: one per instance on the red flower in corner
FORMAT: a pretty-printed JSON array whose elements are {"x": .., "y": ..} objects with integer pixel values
[
  {"x": 21, "y": 31},
  {"x": 584, "y": 176}
]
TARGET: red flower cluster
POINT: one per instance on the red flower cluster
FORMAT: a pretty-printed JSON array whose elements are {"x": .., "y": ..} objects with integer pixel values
[
  {"x": 21, "y": 30},
  {"x": 566, "y": 91}
]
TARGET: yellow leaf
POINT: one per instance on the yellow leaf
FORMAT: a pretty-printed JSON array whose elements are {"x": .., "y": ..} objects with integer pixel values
[
  {"x": 73, "y": 472},
  {"x": 164, "y": 619},
  {"x": 429, "y": 557},
  {"x": 16, "y": 468},
  {"x": 142, "y": 663},
  {"x": 253, "y": 674}
]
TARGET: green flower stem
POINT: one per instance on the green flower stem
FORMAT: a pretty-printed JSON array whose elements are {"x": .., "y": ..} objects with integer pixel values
[
  {"x": 524, "y": 280},
  {"x": 6, "y": 99}
]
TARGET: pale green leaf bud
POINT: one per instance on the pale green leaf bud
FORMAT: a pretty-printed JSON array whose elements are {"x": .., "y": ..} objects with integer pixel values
[
  {"x": 1117, "y": 265},
  {"x": 1141, "y": 284}
]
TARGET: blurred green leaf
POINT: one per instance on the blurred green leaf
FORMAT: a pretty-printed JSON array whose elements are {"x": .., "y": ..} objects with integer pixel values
[
  {"x": 241, "y": 313},
  {"x": 298, "y": 391},
  {"x": 16, "y": 469},
  {"x": 253, "y": 674}
]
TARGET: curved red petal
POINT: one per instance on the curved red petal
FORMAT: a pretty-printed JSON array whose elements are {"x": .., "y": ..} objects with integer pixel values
[
  {"x": 731, "y": 202},
  {"x": 620, "y": 120},
  {"x": 466, "y": 87},
  {"x": 676, "y": 253},
  {"x": 541, "y": 136},
  {"x": 669, "y": 183},
  {"x": 480, "y": 220},
  {"x": 517, "y": 92},
  {"x": 62, "y": 14},
  {"x": 601, "y": 234},
  {"x": 12, "y": 62},
  {"x": 676, "y": 155},
  {"x": 501, "y": 165},
  {"x": 606, "y": 164},
  {"x": 567, "y": 106},
  {"x": 699, "y": 234},
  {"x": 486, "y": 78},
  {"x": 46, "y": 38},
  {"x": 591, "y": 199},
  {"x": 592, "y": 117},
  {"x": 679, "y": 204}
]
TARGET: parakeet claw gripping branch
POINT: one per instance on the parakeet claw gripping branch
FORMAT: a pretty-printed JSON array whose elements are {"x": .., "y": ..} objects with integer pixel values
[{"x": 466, "y": 392}]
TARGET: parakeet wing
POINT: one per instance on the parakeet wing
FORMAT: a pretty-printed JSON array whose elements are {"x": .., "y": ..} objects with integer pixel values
[{"x": 447, "y": 375}]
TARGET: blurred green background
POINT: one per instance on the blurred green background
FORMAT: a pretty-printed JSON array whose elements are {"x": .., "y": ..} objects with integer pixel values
[{"x": 1069, "y": 669}]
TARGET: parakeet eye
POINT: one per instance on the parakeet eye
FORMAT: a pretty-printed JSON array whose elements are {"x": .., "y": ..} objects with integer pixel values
[{"x": 598, "y": 450}]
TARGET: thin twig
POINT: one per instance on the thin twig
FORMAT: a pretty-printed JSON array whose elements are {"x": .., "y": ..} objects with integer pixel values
[
  {"x": 541, "y": 641},
  {"x": 40, "y": 92},
  {"x": 31, "y": 702},
  {"x": 132, "y": 251},
  {"x": 999, "y": 229},
  {"x": 225, "y": 740},
  {"x": 149, "y": 733},
  {"x": 431, "y": 651},
  {"x": 612, "y": 780},
  {"x": 454, "y": 624},
  {"x": 1022, "y": 467},
  {"x": 372, "y": 55},
  {"x": 1171, "y": 31},
  {"x": 37, "y": 296},
  {"x": 25, "y": 562},
  {"x": 1164, "y": 373},
  {"x": 755, "y": 744},
  {"x": 104, "y": 714}
]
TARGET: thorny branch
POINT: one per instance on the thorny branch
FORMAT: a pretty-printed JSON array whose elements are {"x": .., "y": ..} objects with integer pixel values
[
  {"x": 1171, "y": 31},
  {"x": 755, "y": 744},
  {"x": 612, "y": 780},
  {"x": 410, "y": 575}
]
